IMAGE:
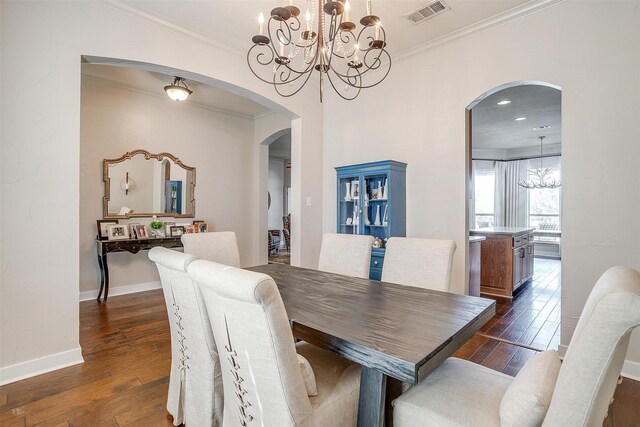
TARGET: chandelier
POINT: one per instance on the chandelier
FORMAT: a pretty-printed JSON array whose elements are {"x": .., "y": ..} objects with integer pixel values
[
  {"x": 289, "y": 52},
  {"x": 540, "y": 178}
]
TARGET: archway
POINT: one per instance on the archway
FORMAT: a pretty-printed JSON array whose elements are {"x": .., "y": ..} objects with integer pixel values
[{"x": 519, "y": 260}]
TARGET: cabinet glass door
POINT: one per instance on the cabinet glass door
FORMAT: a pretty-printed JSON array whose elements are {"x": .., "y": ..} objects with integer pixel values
[
  {"x": 376, "y": 207},
  {"x": 349, "y": 200}
]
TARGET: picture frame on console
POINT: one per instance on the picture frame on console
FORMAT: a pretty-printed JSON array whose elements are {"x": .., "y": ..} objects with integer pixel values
[
  {"x": 102, "y": 225},
  {"x": 177, "y": 230},
  {"x": 118, "y": 232},
  {"x": 141, "y": 230}
]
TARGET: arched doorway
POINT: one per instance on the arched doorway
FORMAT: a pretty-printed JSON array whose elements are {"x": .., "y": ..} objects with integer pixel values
[{"x": 514, "y": 209}]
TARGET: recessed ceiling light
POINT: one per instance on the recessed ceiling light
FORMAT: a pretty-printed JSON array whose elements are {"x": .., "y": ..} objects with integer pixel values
[
  {"x": 542, "y": 127},
  {"x": 505, "y": 102},
  {"x": 519, "y": 119}
]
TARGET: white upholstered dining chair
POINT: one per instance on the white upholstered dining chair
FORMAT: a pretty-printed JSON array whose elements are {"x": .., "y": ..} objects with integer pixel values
[
  {"x": 219, "y": 246},
  {"x": 348, "y": 254},
  {"x": 423, "y": 263},
  {"x": 195, "y": 384},
  {"x": 576, "y": 394},
  {"x": 263, "y": 382}
]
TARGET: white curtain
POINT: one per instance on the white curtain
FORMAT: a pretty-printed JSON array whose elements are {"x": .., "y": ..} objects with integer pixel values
[{"x": 511, "y": 200}]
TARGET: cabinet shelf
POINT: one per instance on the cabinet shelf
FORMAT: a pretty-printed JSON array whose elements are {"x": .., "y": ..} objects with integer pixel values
[{"x": 378, "y": 200}]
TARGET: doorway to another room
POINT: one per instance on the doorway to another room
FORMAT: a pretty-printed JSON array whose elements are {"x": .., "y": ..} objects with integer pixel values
[
  {"x": 515, "y": 214},
  {"x": 279, "y": 200}
]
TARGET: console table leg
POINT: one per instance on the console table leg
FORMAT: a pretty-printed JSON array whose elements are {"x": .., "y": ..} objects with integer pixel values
[
  {"x": 101, "y": 277},
  {"x": 105, "y": 268}
]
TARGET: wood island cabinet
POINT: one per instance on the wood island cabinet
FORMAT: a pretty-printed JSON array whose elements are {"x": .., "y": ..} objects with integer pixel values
[{"x": 506, "y": 259}]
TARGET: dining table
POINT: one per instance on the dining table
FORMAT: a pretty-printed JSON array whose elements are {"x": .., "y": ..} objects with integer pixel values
[{"x": 396, "y": 333}]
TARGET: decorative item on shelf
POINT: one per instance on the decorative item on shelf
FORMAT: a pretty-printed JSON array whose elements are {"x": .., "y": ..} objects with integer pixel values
[
  {"x": 132, "y": 230},
  {"x": 385, "y": 217},
  {"x": 349, "y": 221},
  {"x": 167, "y": 227},
  {"x": 178, "y": 91},
  {"x": 374, "y": 193},
  {"x": 127, "y": 184},
  {"x": 157, "y": 227},
  {"x": 141, "y": 231},
  {"x": 356, "y": 217},
  {"x": 377, "y": 222},
  {"x": 118, "y": 232},
  {"x": 377, "y": 242},
  {"x": 539, "y": 177},
  {"x": 385, "y": 190},
  {"x": 380, "y": 190},
  {"x": 347, "y": 198},
  {"x": 351, "y": 60},
  {"x": 200, "y": 226},
  {"x": 355, "y": 189},
  {"x": 176, "y": 230},
  {"x": 103, "y": 225}
]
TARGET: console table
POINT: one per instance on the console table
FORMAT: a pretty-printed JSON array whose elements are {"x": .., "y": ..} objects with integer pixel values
[{"x": 131, "y": 246}]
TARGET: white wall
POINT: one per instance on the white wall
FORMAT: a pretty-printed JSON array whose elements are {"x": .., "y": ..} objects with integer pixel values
[
  {"x": 42, "y": 47},
  {"x": 276, "y": 184},
  {"x": 115, "y": 120},
  {"x": 590, "y": 49}
]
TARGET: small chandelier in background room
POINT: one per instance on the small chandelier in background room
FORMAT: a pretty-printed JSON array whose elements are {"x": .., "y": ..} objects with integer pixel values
[
  {"x": 350, "y": 59},
  {"x": 178, "y": 91},
  {"x": 539, "y": 178}
]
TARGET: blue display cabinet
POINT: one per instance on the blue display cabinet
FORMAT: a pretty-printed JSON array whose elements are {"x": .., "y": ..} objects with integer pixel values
[{"x": 372, "y": 201}]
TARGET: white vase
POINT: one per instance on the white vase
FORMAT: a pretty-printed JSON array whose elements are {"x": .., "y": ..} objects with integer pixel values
[
  {"x": 386, "y": 190},
  {"x": 377, "y": 216},
  {"x": 347, "y": 198},
  {"x": 366, "y": 216},
  {"x": 385, "y": 217}
]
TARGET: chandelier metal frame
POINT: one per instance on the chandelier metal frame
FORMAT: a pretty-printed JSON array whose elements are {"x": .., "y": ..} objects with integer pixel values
[
  {"x": 539, "y": 177},
  {"x": 349, "y": 59}
]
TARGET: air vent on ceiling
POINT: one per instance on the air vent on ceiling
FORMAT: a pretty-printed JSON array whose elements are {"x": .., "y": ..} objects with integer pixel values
[{"x": 430, "y": 11}]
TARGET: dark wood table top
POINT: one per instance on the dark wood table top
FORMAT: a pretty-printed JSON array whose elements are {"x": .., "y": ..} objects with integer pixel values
[{"x": 402, "y": 331}]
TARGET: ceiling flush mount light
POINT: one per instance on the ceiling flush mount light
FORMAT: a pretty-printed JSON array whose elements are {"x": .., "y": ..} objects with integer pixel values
[
  {"x": 290, "y": 51},
  {"x": 178, "y": 91},
  {"x": 505, "y": 102},
  {"x": 519, "y": 119},
  {"x": 542, "y": 127},
  {"x": 539, "y": 178}
]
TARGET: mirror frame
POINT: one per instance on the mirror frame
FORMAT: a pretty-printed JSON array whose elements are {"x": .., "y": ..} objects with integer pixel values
[{"x": 148, "y": 156}]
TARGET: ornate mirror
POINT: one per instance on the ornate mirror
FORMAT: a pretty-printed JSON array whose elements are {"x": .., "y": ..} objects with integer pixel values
[{"x": 141, "y": 184}]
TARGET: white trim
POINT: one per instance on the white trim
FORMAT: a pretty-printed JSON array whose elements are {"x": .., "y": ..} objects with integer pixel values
[
  {"x": 122, "y": 290},
  {"x": 31, "y": 368},
  {"x": 631, "y": 370},
  {"x": 478, "y": 27},
  {"x": 562, "y": 350}
]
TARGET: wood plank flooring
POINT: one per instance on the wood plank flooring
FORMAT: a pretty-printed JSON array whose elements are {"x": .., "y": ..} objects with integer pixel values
[{"x": 126, "y": 347}]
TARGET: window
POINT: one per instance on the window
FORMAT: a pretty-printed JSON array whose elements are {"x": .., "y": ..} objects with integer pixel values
[
  {"x": 544, "y": 207},
  {"x": 485, "y": 181}
]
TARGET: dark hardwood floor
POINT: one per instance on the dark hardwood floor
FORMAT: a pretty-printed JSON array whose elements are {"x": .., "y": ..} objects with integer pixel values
[{"x": 126, "y": 347}]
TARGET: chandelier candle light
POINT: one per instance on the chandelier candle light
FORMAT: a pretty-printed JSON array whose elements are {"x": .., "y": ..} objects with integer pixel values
[
  {"x": 538, "y": 177},
  {"x": 349, "y": 59}
]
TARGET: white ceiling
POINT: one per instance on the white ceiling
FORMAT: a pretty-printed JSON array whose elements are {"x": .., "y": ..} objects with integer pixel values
[
  {"x": 234, "y": 22},
  {"x": 494, "y": 126},
  {"x": 154, "y": 83}
]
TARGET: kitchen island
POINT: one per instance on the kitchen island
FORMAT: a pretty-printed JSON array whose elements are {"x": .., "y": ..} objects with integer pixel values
[{"x": 506, "y": 259}]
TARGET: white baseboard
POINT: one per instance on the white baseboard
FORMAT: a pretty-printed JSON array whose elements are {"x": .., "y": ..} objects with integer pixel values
[
  {"x": 31, "y": 368},
  {"x": 630, "y": 369},
  {"x": 122, "y": 290}
]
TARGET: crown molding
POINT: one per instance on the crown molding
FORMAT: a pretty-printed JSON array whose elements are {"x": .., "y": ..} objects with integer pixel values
[
  {"x": 479, "y": 27},
  {"x": 117, "y": 85},
  {"x": 158, "y": 20}
]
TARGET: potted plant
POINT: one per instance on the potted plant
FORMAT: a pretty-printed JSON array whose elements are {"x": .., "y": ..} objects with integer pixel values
[{"x": 157, "y": 227}]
